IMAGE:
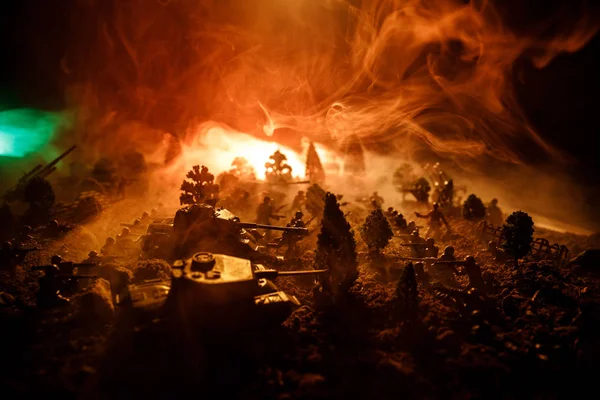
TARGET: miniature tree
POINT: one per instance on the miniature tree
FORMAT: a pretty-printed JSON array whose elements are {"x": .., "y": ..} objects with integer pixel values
[
  {"x": 242, "y": 169},
  {"x": 517, "y": 235},
  {"x": 315, "y": 200},
  {"x": 278, "y": 169},
  {"x": 202, "y": 189},
  {"x": 354, "y": 157},
  {"x": 314, "y": 168},
  {"x": 407, "y": 294},
  {"x": 104, "y": 171},
  {"x": 403, "y": 177},
  {"x": 336, "y": 250},
  {"x": 376, "y": 231},
  {"x": 420, "y": 190},
  {"x": 473, "y": 208}
]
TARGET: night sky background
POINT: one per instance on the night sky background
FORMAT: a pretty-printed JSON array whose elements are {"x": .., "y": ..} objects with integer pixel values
[{"x": 561, "y": 100}]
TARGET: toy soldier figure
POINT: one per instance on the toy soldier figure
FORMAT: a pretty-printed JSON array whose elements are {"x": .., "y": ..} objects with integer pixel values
[
  {"x": 447, "y": 272},
  {"x": 299, "y": 201},
  {"x": 376, "y": 200},
  {"x": 108, "y": 250},
  {"x": 50, "y": 285},
  {"x": 473, "y": 271},
  {"x": 435, "y": 217},
  {"x": 264, "y": 213},
  {"x": 146, "y": 220},
  {"x": 497, "y": 253},
  {"x": 423, "y": 277},
  {"x": 494, "y": 213},
  {"x": 411, "y": 227},
  {"x": 124, "y": 241},
  {"x": 431, "y": 250},
  {"x": 400, "y": 223},
  {"x": 390, "y": 212},
  {"x": 417, "y": 245},
  {"x": 54, "y": 229},
  {"x": 291, "y": 238},
  {"x": 93, "y": 258}
]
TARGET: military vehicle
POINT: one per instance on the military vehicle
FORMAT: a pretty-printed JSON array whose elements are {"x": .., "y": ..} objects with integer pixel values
[
  {"x": 207, "y": 287},
  {"x": 201, "y": 227},
  {"x": 40, "y": 171}
]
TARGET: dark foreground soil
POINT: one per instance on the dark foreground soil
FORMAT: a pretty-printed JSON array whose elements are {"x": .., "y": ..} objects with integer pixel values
[{"x": 535, "y": 335}]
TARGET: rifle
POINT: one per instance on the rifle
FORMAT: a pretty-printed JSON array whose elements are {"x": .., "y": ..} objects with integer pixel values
[
  {"x": 413, "y": 244},
  {"x": 288, "y": 183},
  {"x": 76, "y": 277}
]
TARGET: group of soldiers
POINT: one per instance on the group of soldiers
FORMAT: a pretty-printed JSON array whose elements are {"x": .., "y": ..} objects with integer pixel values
[
  {"x": 428, "y": 264},
  {"x": 61, "y": 278}
]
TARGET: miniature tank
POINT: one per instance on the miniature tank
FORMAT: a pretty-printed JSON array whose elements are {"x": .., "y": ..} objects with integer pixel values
[
  {"x": 204, "y": 228},
  {"x": 207, "y": 287}
]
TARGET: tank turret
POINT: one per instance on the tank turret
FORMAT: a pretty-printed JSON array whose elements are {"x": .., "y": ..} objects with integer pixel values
[
  {"x": 206, "y": 287},
  {"x": 205, "y": 228},
  {"x": 218, "y": 285}
]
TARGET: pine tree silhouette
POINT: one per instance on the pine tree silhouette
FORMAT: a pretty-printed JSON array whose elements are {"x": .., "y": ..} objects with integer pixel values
[
  {"x": 407, "y": 295},
  {"x": 376, "y": 231},
  {"x": 517, "y": 235},
  {"x": 336, "y": 249},
  {"x": 473, "y": 208},
  {"x": 314, "y": 169},
  {"x": 201, "y": 189},
  {"x": 315, "y": 200}
]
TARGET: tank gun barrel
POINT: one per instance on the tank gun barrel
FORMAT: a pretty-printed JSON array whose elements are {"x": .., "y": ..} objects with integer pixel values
[
  {"x": 431, "y": 260},
  {"x": 273, "y": 273},
  {"x": 249, "y": 225},
  {"x": 289, "y": 183}
]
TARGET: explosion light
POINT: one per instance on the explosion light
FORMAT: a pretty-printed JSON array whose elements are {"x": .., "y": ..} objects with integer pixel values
[{"x": 26, "y": 130}]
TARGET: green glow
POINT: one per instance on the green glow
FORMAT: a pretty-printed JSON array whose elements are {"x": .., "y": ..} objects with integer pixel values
[{"x": 25, "y": 130}]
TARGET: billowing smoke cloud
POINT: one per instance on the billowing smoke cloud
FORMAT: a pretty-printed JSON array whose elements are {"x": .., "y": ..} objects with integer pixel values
[
  {"x": 439, "y": 71},
  {"x": 409, "y": 75}
]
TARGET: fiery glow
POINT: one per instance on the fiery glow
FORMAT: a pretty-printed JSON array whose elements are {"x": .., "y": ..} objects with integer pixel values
[
  {"x": 409, "y": 73},
  {"x": 216, "y": 146}
]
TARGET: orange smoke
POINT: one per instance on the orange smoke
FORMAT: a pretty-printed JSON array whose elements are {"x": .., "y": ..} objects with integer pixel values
[{"x": 437, "y": 73}]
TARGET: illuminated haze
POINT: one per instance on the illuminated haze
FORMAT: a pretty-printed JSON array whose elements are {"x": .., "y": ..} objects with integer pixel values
[{"x": 417, "y": 78}]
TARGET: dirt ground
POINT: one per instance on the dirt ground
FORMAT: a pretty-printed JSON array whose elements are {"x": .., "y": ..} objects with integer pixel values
[{"x": 535, "y": 335}]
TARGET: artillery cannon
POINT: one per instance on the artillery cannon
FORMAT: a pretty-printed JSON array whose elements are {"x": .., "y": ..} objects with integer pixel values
[
  {"x": 204, "y": 228},
  {"x": 40, "y": 171}
]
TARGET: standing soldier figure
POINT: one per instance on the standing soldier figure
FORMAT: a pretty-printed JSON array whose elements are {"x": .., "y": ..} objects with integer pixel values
[
  {"x": 108, "y": 250},
  {"x": 291, "y": 238},
  {"x": 431, "y": 249},
  {"x": 376, "y": 200},
  {"x": 494, "y": 213},
  {"x": 264, "y": 213},
  {"x": 400, "y": 223},
  {"x": 436, "y": 217},
  {"x": 299, "y": 201},
  {"x": 48, "y": 295}
]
